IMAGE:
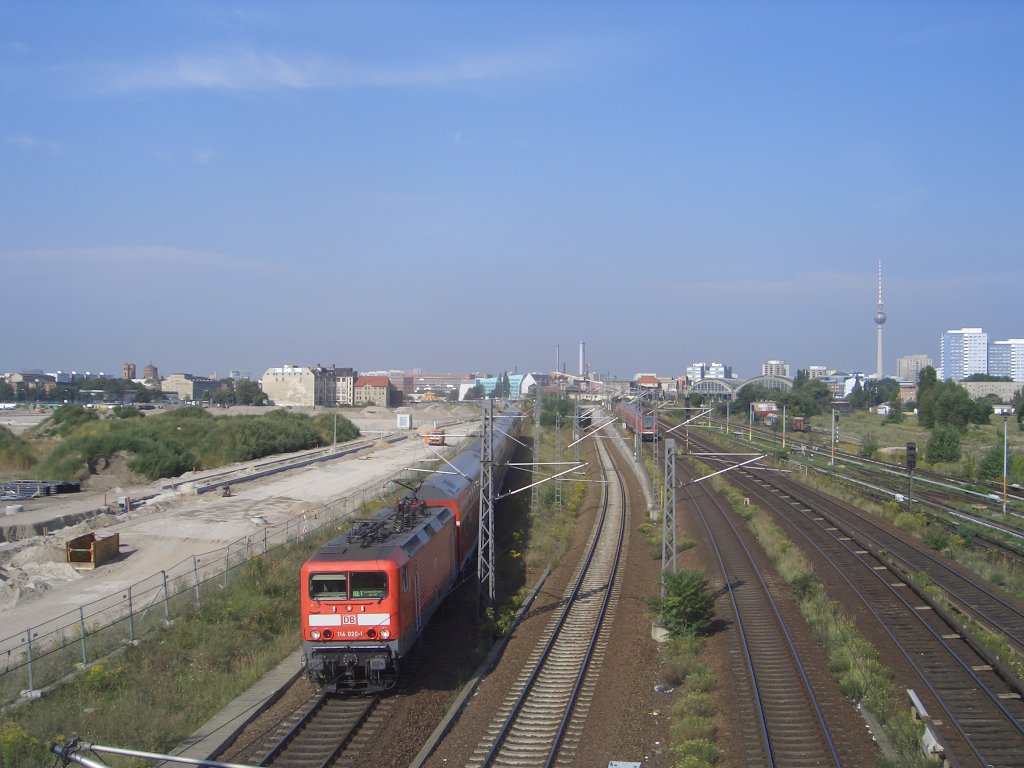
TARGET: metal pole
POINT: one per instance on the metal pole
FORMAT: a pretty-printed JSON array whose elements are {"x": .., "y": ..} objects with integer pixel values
[
  {"x": 131, "y": 617},
  {"x": 535, "y": 494},
  {"x": 668, "y": 520},
  {"x": 1005, "y": 456},
  {"x": 81, "y": 624},
  {"x": 783, "y": 426},
  {"x": 195, "y": 575},
  {"x": 167, "y": 597},
  {"x": 485, "y": 538},
  {"x": 654, "y": 448},
  {"x": 832, "y": 461},
  {"x": 558, "y": 457},
  {"x": 911, "y": 496},
  {"x": 28, "y": 637}
]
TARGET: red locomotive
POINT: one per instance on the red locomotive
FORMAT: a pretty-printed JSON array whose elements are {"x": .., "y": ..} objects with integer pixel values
[{"x": 367, "y": 595}]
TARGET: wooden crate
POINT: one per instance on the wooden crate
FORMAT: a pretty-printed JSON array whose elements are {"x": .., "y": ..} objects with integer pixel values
[{"x": 87, "y": 551}]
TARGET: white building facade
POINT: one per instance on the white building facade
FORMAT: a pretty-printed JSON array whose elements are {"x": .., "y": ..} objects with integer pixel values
[
  {"x": 963, "y": 352},
  {"x": 1006, "y": 358}
]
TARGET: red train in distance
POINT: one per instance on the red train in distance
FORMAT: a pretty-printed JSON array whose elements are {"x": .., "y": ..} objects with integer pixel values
[
  {"x": 638, "y": 420},
  {"x": 367, "y": 595}
]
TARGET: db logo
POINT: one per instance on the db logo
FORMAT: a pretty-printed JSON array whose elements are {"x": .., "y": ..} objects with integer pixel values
[{"x": 348, "y": 619}]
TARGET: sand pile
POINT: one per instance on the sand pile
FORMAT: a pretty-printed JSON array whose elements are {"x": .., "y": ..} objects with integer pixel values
[{"x": 32, "y": 570}]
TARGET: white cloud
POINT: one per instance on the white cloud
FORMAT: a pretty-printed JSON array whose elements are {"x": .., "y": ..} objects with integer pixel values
[
  {"x": 203, "y": 156},
  {"x": 254, "y": 70},
  {"x": 243, "y": 70},
  {"x": 32, "y": 144}
]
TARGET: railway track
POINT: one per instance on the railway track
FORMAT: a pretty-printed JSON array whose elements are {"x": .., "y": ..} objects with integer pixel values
[
  {"x": 788, "y": 726},
  {"x": 539, "y": 722},
  {"x": 994, "y": 610},
  {"x": 329, "y": 730},
  {"x": 976, "y": 709},
  {"x": 945, "y": 502}
]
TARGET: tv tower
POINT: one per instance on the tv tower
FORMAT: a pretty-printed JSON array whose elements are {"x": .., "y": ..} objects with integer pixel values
[{"x": 879, "y": 321}]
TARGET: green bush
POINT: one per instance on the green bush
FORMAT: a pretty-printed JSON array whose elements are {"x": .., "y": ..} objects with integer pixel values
[
  {"x": 701, "y": 749},
  {"x": 943, "y": 445},
  {"x": 174, "y": 442},
  {"x": 17, "y": 747},
  {"x": 695, "y": 703},
  {"x": 67, "y": 418},
  {"x": 693, "y": 727},
  {"x": 688, "y": 604}
]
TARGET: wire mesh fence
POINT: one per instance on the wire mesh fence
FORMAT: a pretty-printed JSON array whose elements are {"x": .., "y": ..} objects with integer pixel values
[{"x": 54, "y": 650}]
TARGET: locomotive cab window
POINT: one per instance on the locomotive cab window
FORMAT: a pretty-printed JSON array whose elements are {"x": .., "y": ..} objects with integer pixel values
[
  {"x": 369, "y": 585},
  {"x": 328, "y": 586}
]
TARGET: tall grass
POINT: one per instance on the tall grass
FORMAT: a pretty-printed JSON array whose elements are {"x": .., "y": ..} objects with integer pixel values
[
  {"x": 693, "y": 729},
  {"x": 15, "y": 452},
  {"x": 154, "y": 694}
]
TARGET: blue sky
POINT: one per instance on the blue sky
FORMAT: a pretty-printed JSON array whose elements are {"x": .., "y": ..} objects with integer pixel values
[{"x": 465, "y": 186}]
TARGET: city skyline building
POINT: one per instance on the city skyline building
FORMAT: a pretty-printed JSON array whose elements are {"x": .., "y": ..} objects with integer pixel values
[
  {"x": 775, "y": 368},
  {"x": 1006, "y": 358},
  {"x": 817, "y": 372},
  {"x": 718, "y": 371},
  {"x": 909, "y": 367},
  {"x": 962, "y": 353}
]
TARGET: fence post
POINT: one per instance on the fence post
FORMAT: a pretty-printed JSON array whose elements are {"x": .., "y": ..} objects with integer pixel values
[
  {"x": 167, "y": 597},
  {"x": 28, "y": 637},
  {"x": 81, "y": 623},
  {"x": 195, "y": 575},
  {"x": 264, "y": 540},
  {"x": 131, "y": 617},
  {"x": 227, "y": 556}
]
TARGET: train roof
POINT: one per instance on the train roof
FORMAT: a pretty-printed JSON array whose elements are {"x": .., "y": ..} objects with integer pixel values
[
  {"x": 382, "y": 537},
  {"x": 452, "y": 479}
]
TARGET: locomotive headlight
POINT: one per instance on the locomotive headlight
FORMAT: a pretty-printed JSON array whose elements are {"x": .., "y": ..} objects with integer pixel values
[
  {"x": 315, "y": 634},
  {"x": 385, "y": 634}
]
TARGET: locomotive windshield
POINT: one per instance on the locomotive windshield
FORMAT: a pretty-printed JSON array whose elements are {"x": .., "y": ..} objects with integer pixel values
[
  {"x": 369, "y": 585},
  {"x": 328, "y": 586},
  {"x": 355, "y": 585}
]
